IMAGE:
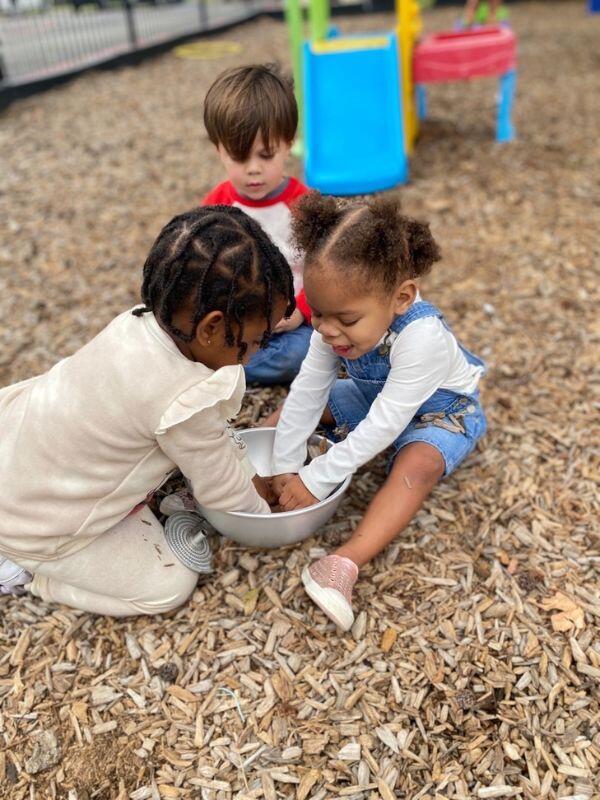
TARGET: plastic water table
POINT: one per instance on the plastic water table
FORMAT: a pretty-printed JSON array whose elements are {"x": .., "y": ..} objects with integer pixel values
[
  {"x": 463, "y": 55},
  {"x": 354, "y": 139}
]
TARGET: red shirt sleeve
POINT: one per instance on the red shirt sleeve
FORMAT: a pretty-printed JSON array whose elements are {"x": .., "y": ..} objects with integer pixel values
[
  {"x": 295, "y": 190},
  {"x": 221, "y": 195},
  {"x": 303, "y": 307}
]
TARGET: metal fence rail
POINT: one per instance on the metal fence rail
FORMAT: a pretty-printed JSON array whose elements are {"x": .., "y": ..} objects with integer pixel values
[{"x": 40, "y": 40}]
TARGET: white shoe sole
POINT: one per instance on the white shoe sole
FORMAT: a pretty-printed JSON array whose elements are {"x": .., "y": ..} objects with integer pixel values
[
  {"x": 12, "y": 576},
  {"x": 172, "y": 504},
  {"x": 330, "y": 601}
]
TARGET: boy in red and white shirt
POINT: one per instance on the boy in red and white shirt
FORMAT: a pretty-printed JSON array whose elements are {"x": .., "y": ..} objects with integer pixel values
[{"x": 251, "y": 117}]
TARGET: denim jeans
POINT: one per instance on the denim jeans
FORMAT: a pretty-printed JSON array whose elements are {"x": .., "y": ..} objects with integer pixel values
[
  {"x": 280, "y": 361},
  {"x": 349, "y": 407}
]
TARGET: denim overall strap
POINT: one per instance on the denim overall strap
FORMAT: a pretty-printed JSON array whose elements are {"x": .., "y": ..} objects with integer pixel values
[
  {"x": 374, "y": 366},
  {"x": 425, "y": 309},
  {"x": 418, "y": 310},
  {"x": 370, "y": 371}
]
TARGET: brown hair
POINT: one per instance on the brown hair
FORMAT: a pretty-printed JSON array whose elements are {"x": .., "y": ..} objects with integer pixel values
[
  {"x": 372, "y": 238},
  {"x": 244, "y": 101}
]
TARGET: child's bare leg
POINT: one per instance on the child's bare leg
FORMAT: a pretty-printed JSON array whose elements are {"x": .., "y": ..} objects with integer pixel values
[
  {"x": 493, "y": 10},
  {"x": 273, "y": 418},
  {"x": 417, "y": 468},
  {"x": 469, "y": 11}
]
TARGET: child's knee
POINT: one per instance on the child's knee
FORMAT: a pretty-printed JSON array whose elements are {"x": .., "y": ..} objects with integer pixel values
[
  {"x": 420, "y": 464},
  {"x": 172, "y": 593}
]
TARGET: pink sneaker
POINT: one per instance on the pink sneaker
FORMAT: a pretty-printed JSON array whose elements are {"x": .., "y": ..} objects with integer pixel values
[{"x": 328, "y": 583}]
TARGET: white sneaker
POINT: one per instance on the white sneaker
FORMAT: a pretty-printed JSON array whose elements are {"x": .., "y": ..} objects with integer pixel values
[
  {"x": 178, "y": 501},
  {"x": 12, "y": 577}
]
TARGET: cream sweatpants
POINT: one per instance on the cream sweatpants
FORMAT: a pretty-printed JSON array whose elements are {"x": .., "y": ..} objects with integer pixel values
[{"x": 128, "y": 570}]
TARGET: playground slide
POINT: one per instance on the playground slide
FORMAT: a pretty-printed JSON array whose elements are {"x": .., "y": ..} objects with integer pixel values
[{"x": 354, "y": 141}]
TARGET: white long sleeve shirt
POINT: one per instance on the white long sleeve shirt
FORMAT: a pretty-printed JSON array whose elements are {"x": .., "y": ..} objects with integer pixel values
[
  {"x": 82, "y": 444},
  {"x": 424, "y": 357}
]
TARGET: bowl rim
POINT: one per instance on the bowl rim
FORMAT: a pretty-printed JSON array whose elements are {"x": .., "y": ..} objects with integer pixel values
[{"x": 287, "y": 514}]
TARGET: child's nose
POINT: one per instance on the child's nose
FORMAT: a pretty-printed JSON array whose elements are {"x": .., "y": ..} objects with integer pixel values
[{"x": 326, "y": 329}]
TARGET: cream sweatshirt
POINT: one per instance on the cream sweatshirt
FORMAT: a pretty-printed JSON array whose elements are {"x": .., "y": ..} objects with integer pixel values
[{"x": 85, "y": 442}]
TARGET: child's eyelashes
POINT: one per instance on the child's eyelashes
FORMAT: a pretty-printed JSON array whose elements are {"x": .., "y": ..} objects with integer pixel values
[
  {"x": 262, "y": 156},
  {"x": 345, "y": 323}
]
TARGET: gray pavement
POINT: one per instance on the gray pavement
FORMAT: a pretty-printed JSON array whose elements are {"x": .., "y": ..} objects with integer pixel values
[{"x": 36, "y": 44}]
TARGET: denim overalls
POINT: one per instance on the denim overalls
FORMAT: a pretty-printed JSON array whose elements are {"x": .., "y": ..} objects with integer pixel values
[{"x": 450, "y": 422}]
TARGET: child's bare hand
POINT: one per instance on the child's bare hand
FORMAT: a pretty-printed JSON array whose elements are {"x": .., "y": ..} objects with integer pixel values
[
  {"x": 265, "y": 489},
  {"x": 291, "y": 323},
  {"x": 296, "y": 495},
  {"x": 279, "y": 482}
]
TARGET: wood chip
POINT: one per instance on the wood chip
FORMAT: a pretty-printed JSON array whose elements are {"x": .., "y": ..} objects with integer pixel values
[
  {"x": 387, "y": 737},
  {"x": 501, "y": 790},
  {"x": 472, "y": 665},
  {"x": 388, "y": 639},
  {"x": 385, "y": 791},
  {"x": 307, "y": 782}
]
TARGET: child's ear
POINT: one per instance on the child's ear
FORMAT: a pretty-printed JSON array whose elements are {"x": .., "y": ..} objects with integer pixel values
[
  {"x": 404, "y": 296},
  {"x": 209, "y": 328}
]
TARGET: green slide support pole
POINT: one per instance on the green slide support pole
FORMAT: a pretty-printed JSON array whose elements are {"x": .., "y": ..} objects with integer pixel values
[
  {"x": 293, "y": 17},
  {"x": 318, "y": 13}
]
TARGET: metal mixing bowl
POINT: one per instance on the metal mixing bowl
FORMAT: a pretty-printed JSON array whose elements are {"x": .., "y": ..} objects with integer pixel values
[{"x": 273, "y": 530}]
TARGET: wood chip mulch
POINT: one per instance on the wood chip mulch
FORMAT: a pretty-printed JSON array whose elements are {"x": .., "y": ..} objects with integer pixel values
[{"x": 473, "y": 668}]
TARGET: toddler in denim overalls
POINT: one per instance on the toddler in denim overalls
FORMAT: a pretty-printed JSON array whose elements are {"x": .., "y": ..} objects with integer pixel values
[
  {"x": 409, "y": 385},
  {"x": 435, "y": 421}
]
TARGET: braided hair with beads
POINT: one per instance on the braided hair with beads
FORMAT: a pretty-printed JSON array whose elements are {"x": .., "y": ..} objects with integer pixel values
[{"x": 220, "y": 259}]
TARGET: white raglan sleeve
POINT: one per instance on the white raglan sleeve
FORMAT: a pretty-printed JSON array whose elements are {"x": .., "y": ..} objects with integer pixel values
[
  {"x": 304, "y": 405},
  {"x": 420, "y": 361}
]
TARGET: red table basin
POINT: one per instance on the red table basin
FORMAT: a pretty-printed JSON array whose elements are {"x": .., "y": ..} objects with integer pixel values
[{"x": 459, "y": 55}]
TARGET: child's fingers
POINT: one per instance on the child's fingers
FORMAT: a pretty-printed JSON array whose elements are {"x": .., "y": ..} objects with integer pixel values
[
  {"x": 291, "y": 323},
  {"x": 271, "y": 496},
  {"x": 284, "y": 498},
  {"x": 288, "y": 500},
  {"x": 279, "y": 482},
  {"x": 306, "y": 502},
  {"x": 284, "y": 325},
  {"x": 263, "y": 487}
]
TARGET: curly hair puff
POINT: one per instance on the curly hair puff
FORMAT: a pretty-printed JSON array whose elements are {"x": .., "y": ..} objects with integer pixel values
[{"x": 372, "y": 238}]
